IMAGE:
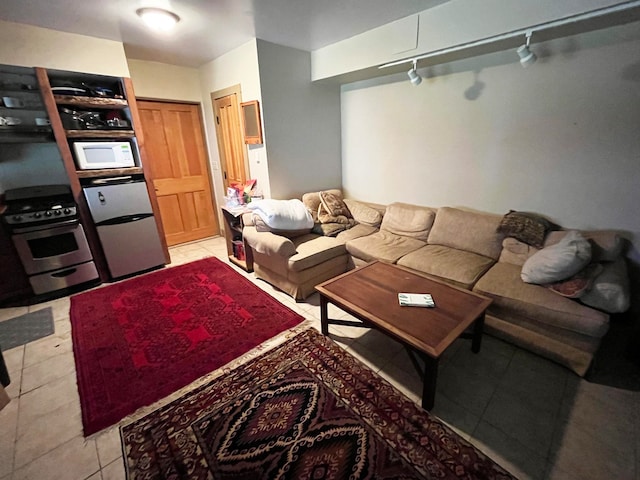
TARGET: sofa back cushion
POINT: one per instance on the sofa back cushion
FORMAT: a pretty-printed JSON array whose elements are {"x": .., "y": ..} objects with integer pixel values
[
  {"x": 408, "y": 220},
  {"x": 363, "y": 213},
  {"x": 475, "y": 232}
]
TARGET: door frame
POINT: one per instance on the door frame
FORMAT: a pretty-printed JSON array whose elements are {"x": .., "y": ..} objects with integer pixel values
[
  {"x": 216, "y": 210},
  {"x": 215, "y": 95}
]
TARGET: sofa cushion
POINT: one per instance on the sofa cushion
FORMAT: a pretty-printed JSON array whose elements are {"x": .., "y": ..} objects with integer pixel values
[
  {"x": 459, "y": 267},
  {"x": 526, "y": 227},
  {"x": 268, "y": 243},
  {"x": 312, "y": 250},
  {"x": 311, "y": 201},
  {"x": 475, "y": 232},
  {"x": 382, "y": 245},
  {"x": 408, "y": 220},
  {"x": 364, "y": 214},
  {"x": 357, "y": 231},
  {"x": 558, "y": 262},
  {"x": 610, "y": 290},
  {"x": 515, "y": 252},
  {"x": 519, "y": 302}
]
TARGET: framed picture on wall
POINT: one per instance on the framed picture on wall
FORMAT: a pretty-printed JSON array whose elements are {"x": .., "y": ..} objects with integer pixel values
[{"x": 251, "y": 122}]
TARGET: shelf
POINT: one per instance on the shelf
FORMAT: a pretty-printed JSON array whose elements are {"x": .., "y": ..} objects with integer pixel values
[
  {"x": 91, "y": 102},
  {"x": 25, "y": 134},
  {"x": 100, "y": 133},
  {"x": 111, "y": 172},
  {"x": 240, "y": 263},
  {"x": 35, "y": 108},
  {"x": 19, "y": 89},
  {"x": 25, "y": 129}
]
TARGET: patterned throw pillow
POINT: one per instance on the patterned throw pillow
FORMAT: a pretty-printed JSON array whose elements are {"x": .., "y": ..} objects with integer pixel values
[
  {"x": 526, "y": 227},
  {"x": 333, "y": 205},
  {"x": 579, "y": 284}
]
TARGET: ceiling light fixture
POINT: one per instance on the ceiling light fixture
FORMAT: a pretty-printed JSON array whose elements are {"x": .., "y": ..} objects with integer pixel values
[
  {"x": 415, "y": 78},
  {"x": 527, "y": 57},
  {"x": 158, "y": 19}
]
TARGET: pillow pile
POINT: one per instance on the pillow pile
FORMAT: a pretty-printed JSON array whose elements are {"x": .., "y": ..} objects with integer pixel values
[
  {"x": 281, "y": 216},
  {"x": 333, "y": 215},
  {"x": 526, "y": 227}
]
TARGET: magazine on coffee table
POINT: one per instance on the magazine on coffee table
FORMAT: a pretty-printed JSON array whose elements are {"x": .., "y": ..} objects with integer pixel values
[{"x": 416, "y": 300}]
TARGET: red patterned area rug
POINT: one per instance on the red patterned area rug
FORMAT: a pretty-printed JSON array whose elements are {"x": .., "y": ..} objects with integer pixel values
[
  {"x": 304, "y": 410},
  {"x": 139, "y": 340}
]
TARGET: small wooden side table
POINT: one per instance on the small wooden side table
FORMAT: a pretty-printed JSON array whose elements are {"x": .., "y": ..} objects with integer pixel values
[{"x": 238, "y": 250}]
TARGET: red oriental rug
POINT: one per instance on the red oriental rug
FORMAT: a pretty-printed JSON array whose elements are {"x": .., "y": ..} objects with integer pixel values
[
  {"x": 304, "y": 410},
  {"x": 139, "y": 340}
]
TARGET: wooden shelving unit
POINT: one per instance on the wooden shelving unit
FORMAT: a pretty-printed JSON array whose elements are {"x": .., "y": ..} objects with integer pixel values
[{"x": 125, "y": 101}]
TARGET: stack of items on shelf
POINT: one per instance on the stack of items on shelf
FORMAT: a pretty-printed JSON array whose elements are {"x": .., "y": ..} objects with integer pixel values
[
  {"x": 239, "y": 194},
  {"x": 238, "y": 248}
]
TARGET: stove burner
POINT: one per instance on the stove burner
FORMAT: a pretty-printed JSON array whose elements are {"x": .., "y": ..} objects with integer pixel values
[{"x": 33, "y": 206}]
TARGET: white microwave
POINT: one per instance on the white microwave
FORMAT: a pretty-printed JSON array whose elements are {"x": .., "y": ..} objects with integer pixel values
[{"x": 101, "y": 155}]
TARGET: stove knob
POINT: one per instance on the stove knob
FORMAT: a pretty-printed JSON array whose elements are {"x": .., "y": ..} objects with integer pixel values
[
  {"x": 57, "y": 213},
  {"x": 37, "y": 215},
  {"x": 47, "y": 213},
  {"x": 17, "y": 218},
  {"x": 67, "y": 211}
]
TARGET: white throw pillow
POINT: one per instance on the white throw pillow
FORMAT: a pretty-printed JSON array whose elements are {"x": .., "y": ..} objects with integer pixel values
[
  {"x": 282, "y": 214},
  {"x": 558, "y": 262}
]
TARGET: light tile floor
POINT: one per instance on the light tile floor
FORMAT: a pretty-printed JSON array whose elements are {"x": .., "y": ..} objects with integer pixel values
[{"x": 537, "y": 419}]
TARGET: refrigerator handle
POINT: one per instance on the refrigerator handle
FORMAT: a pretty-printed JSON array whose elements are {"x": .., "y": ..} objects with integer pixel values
[{"x": 124, "y": 219}]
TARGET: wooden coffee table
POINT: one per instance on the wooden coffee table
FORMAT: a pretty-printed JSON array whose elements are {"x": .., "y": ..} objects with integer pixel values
[{"x": 370, "y": 294}]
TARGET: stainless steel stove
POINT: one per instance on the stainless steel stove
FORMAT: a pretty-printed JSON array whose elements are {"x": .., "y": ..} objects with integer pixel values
[
  {"x": 42, "y": 205},
  {"x": 49, "y": 238}
]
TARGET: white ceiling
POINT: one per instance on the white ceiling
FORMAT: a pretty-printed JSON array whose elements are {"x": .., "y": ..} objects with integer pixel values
[{"x": 210, "y": 28}]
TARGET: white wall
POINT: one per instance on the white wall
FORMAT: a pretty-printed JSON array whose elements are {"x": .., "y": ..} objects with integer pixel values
[
  {"x": 302, "y": 123},
  {"x": 30, "y": 46},
  {"x": 161, "y": 81},
  {"x": 239, "y": 66},
  {"x": 558, "y": 138}
]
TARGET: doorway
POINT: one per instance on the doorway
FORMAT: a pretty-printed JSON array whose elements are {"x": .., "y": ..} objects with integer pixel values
[
  {"x": 179, "y": 168},
  {"x": 231, "y": 146}
]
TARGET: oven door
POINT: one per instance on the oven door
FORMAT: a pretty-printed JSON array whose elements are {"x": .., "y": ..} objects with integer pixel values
[{"x": 52, "y": 247}]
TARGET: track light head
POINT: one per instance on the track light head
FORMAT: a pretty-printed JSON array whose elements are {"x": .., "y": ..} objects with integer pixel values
[
  {"x": 414, "y": 77},
  {"x": 527, "y": 57}
]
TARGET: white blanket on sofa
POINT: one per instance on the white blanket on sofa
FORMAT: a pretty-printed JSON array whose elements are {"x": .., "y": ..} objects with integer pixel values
[{"x": 282, "y": 214}]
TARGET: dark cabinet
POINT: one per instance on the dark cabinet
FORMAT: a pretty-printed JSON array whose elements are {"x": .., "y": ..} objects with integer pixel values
[{"x": 14, "y": 283}]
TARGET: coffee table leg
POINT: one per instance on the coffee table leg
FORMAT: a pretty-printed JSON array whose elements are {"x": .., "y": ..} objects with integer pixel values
[
  {"x": 429, "y": 382},
  {"x": 324, "y": 316},
  {"x": 477, "y": 334}
]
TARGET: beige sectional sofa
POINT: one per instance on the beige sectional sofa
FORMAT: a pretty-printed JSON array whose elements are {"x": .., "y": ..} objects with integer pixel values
[{"x": 462, "y": 247}]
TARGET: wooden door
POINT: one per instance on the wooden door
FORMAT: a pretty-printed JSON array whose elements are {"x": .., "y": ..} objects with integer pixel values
[
  {"x": 230, "y": 142},
  {"x": 179, "y": 167}
]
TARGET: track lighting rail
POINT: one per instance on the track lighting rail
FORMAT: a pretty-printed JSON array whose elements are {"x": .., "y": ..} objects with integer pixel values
[{"x": 528, "y": 31}]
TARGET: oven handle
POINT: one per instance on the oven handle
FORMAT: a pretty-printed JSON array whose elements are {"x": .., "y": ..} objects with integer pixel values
[
  {"x": 47, "y": 226},
  {"x": 64, "y": 273}
]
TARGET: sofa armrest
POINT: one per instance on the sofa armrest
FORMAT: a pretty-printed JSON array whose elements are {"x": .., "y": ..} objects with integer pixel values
[{"x": 268, "y": 243}]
